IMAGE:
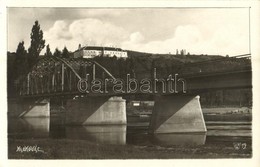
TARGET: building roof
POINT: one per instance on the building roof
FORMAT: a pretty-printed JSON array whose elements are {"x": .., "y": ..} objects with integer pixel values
[{"x": 99, "y": 48}]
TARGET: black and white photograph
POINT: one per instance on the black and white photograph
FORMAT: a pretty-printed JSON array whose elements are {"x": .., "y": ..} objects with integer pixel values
[{"x": 130, "y": 83}]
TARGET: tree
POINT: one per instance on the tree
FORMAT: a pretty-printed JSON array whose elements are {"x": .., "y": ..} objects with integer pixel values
[
  {"x": 21, "y": 60},
  {"x": 37, "y": 43},
  {"x": 20, "y": 51},
  {"x": 182, "y": 52},
  {"x": 65, "y": 53},
  {"x": 48, "y": 51},
  {"x": 57, "y": 53}
]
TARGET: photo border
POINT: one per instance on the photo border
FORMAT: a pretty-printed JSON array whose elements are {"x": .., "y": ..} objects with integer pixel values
[{"x": 254, "y": 31}]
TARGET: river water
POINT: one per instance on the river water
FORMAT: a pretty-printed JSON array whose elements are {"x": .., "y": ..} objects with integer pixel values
[{"x": 134, "y": 133}]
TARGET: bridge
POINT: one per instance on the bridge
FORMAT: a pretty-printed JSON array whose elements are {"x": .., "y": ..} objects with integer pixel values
[{"x": 175, "y": 110}]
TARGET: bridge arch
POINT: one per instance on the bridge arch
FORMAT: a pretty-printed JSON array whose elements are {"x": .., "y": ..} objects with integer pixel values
[{"x": 54, "y": 74}]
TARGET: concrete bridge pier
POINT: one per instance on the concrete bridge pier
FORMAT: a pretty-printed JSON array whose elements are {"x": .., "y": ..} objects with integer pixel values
[
  {"x": 96, "y": 111},
  {"x": 29, "y": 107},
  {"x": 177, "y": 114}
]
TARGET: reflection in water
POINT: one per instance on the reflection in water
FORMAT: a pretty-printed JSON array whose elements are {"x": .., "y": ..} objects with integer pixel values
[
  {"x": 57, "y": 128},
  {"x": 100, "y": 134},
  {"x": 37, "y": 124},
  {"x": 29, "y": 127},
  {"x": 135, "y": 134},
  {"x": 180, "y": 139}
]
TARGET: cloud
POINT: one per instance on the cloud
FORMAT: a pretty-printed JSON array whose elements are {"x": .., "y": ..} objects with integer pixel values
[
  {"x": 183, "y": 37},
  {"x": 97, "y": 31},
  {"x": 136, "y": 37},
  {"x": 85, "y": 31},
  {"x": 226, "y": 40},
  {"x": 223, "y": 40},
  {"x": 59, "y": 31}
]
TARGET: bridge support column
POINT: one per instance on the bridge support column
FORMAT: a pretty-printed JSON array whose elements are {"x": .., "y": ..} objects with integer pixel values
[
  {"x": 29, "y": 108},
  {"x": 96, "y": 111},
  {"x": 177, "y": 114}
]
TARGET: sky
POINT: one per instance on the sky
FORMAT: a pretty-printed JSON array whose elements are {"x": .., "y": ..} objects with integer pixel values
[{"x": 212, "y": 31}]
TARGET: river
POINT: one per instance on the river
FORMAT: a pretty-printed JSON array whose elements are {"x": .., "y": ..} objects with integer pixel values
[{"x": 134, "y": 133}]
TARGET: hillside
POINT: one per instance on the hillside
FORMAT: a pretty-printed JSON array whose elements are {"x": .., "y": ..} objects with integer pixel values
[{"x": 188, "y": 58}]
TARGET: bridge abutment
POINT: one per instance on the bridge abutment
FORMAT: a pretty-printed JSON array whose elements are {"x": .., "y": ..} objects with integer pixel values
[
  {"x": 96, "y": 111},
  {"x": 29, "y": 107},
  {"x": 177, "y": 114}
]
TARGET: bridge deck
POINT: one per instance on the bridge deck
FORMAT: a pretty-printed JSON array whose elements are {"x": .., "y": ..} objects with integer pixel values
[{"x": 60, "y": 77}]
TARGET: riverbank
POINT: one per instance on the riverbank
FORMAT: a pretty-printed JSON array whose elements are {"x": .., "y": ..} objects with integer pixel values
[{"x": 81, "y": 149}]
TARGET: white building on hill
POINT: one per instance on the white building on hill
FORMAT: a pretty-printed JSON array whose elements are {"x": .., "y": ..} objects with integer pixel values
[{"x": 92, "y": 51}]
